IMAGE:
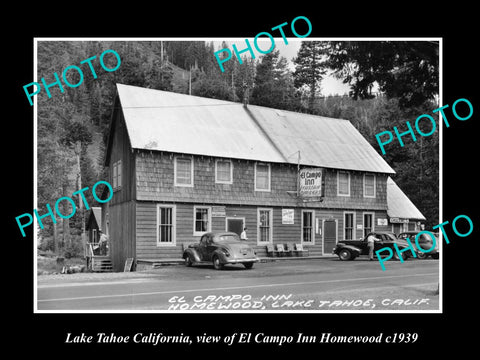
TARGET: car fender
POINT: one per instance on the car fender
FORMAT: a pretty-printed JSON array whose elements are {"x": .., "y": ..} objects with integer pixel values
[
  {"x": 193, "y": 253},
  {"x": 355, "y": 250},
  {"x": 221, "y": 255}
]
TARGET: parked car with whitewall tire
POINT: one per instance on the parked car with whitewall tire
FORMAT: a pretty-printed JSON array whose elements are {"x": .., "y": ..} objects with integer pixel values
[{"x": 220, "y": 249}]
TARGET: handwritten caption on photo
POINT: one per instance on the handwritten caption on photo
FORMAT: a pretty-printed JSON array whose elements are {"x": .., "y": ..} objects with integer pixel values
[{"x": 284, "y": 302}]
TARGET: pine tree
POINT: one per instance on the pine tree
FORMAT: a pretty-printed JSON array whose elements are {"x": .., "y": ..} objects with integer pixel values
[
  {"x": 407, "y": 70},
  {"x": 244, "y": 78},
  {"x": 273, "y": 82},
  {"x": 309, "y": 68}
]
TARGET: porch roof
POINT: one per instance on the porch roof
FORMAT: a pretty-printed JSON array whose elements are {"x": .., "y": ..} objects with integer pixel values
[{"x": 399, "y": 205}]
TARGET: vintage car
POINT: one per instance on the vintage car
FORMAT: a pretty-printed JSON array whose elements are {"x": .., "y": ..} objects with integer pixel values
[
  {"x": 424, "y": 241},
  {"x": 350, "y": 249},
  {"x": 220, "y": 249}
]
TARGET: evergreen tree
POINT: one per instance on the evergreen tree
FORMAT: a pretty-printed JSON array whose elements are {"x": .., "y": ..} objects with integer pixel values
[
  {"x": 273, "y": 82},
  {"x": 310, "y": 68},
  {"x": 212, "y": 87},
  {"x": 407, "y": 70},
  {"x": 244, "y": 77}
]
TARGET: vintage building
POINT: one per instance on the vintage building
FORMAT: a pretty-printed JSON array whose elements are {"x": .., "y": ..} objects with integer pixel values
[
  {"x": 182, "y": 165},
  {"x": 403, "y": 215}
]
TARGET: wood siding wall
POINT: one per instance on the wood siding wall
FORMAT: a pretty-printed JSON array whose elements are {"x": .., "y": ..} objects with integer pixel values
[
  {"x": 121, "y": 233},
  {"x": 155, "y": 182},
  {"x": 121, "y": 150},
  {"x": 146, "y": 227}
]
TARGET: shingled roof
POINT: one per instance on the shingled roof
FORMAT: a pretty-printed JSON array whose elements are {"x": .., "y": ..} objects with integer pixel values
[{"x": 179, "y": 123}]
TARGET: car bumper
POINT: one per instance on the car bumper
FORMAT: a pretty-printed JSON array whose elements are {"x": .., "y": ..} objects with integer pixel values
[
  {"x": 241, "y": 260},
  {"x": 429, "y": 253}
]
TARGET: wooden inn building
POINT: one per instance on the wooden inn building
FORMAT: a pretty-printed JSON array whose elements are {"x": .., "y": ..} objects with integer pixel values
[{"x": 183, "y": 165}]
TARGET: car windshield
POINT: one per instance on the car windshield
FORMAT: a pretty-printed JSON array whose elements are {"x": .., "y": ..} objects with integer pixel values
[
  {"x": 228, "y": 238},
  {"x": 390, "y": 237}
]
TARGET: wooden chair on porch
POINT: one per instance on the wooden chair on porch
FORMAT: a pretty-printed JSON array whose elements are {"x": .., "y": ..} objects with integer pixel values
[
  {"x": 289, "y": 248},
  {"x": 281, "y": 250},
  {"x": 300, "y": 250},
  {"x": 271, "y": 252}
]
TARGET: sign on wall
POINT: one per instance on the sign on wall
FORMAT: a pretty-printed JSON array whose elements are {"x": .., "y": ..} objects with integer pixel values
[
  {"x": 382, "y": 222},
  {"x": 398, "y": 221},
  {"x": 310, "y": 182},
  {"x": 288, "y": 216},
  {"x": 218, "y": 211}
]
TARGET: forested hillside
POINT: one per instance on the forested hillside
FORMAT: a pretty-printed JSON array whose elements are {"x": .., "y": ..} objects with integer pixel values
[{"x": 73, "y": 126}]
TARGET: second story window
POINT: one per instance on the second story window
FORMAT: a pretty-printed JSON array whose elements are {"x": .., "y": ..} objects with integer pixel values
[
  {"x": 183, "y": 171},
  {"x": 369, "y": 185},
  {"x": 262, "y": 177},
  {"x": 223, "y": 171},
  {"x": 117, "y": 175},
  {"x": 343, "y": 183}
]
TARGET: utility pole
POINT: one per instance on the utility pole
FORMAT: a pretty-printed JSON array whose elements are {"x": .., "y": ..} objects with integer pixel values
[
  {"x": 190, "y": 81},
  {"x": 297, "y": 192},
  {"x": 161, "y": 51},
  {"x": 78, "y": 150},
  {"x": 298, "y": 174},
  {"x": 233, "y": 89}
]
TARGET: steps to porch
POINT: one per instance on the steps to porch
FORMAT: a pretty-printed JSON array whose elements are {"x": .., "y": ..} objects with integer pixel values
[
  {"x": 101, "y": 264},
  {"x": 96, "y": 261}
]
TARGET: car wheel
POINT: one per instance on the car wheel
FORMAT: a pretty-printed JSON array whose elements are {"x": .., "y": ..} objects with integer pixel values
[
  {"x": 188, "y": 261},
  {"x": 248, "y": 265},
  {"x": 345, "y": 254},
  {"x": 396, "y": 256},
  {"x": 216, "y": 263},
  {"x": 421, "y": 255}
]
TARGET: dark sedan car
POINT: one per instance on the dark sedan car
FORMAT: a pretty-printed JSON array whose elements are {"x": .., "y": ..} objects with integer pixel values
[
  {"x": 424, "y": 241},
  {"x": 350, "y": 249},
  {"x": 220, "y": 249}
]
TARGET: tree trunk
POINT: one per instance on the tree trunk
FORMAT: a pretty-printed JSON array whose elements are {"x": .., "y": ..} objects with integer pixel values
[
  {"x": 65, "y": 222},
  {"x": 55, "y": 238},
  {"x": 78, "y": 150},
  {"x": 312, "y": 96}
]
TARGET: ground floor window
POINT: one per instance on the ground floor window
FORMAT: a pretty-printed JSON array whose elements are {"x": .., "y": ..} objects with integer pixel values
[
  {"x": 202, "y": 223},
  {"x": 367, "y": 223},
  {"x": 165, "y": 225},
  {"x": 264, "y": 226},
  {"x": 348, "y": 224},
  {"x": 307, "y": 227}
]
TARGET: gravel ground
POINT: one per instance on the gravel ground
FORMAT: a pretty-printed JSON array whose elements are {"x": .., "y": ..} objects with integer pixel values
[{"x": 92, "y": 276}]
